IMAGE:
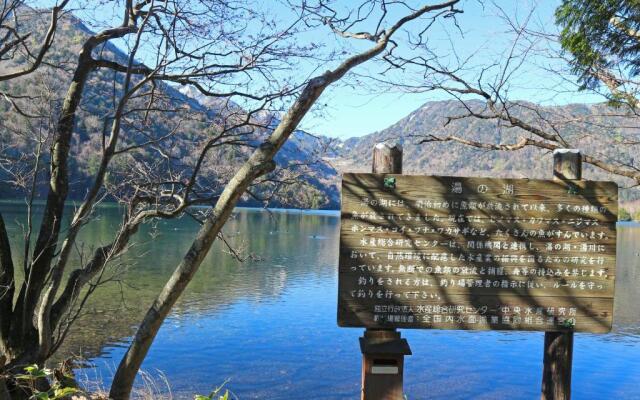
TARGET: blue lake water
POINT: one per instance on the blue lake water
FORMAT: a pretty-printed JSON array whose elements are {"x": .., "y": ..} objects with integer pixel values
[{"x": 269, "y": 325}]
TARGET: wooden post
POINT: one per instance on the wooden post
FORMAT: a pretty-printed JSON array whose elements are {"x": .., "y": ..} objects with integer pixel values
[
  {"x": 383, "y": 349},
  {"x": 558, "y": 346},
  {"x": 387, "y": 158}
]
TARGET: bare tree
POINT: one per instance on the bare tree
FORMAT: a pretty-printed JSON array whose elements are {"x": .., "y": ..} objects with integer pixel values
[
  {"x": 38, "y": 312},
  {"x": 16, "y": 40},
  {"x": 260, "y": 163},
  {"x": 224, "y": 49},
  {"x": 485, "y": 89}
]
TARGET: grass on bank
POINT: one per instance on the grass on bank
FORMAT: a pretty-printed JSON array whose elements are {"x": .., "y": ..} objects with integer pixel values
[{"x": 65, "y": 385}]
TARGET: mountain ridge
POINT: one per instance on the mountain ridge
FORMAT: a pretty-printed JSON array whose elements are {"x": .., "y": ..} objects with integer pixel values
[
  {"x": 48, "y": 85},
  {"x": 456, "y": 159},
  {"x": 316, "y": 160}
]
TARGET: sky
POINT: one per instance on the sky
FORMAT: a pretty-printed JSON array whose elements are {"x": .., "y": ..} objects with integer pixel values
[
  {"x": 353, "y": 112},
  {"x": 361, "y": 106}
]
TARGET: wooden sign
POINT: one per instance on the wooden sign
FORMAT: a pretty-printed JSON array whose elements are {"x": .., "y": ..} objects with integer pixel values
[{"x": 476, "y": 253}]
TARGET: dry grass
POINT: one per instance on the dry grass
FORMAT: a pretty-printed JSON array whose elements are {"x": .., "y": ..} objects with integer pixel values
[{"x": 149, "y": 386}]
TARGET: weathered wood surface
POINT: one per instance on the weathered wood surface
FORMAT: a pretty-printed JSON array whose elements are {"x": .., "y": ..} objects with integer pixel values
[
  {"x": 421, "y": 241},
  {"x": 417, "y": 192},
  {"x": 557, "y": 360},
  {"x": 558, "y": 346},
  {"x": 387, "y": 159}
]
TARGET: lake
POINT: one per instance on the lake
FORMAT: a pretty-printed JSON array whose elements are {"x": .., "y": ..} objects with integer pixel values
[{"x": 269, "y": 325}]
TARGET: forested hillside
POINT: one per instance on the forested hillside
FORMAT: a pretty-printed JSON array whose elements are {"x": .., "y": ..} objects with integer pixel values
[
  {"x": 451, "y": 158},
  {"x": 181, "y": 124},
  {"x": 309, "y": 166}
]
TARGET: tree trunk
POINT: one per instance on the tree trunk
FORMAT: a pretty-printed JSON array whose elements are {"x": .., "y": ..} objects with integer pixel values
[
  {"x": 6, "y": 291},
  {"x": 25, "y": 336},
  {"x": 25, "y": 344},
  {"x": 259, "y": 163}
]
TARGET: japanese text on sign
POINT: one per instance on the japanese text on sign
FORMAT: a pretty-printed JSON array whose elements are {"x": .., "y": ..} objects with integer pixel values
[{"x": 476, "y": 253}]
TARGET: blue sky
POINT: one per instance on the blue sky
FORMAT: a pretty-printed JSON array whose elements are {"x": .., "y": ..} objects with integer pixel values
[
  {"x": 353, "y": 112},
  {"x": 358, "y": 109}
]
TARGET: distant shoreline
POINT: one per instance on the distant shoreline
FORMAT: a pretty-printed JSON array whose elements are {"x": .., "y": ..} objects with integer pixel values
[
  {"x": 108, "y": 203},
  {"x": 319, "y": 211}
]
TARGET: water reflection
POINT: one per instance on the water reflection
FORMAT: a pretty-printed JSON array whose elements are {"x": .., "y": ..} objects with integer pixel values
[
  {"x": 270, "y": 324},
  {"x": 289, "y": 246}
]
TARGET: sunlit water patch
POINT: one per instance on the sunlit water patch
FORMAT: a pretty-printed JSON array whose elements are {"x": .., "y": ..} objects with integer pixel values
[{"x": 269, "y": 324}]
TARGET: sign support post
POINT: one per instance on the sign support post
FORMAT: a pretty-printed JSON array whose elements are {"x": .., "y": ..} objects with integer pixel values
[
  {"x": 383, "y": 350},
  {"x": 558, "y": 346},
  {"x": 448, "y": 252}
]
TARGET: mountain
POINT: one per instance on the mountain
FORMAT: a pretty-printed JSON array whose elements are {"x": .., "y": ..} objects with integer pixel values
[
  {"x": 313, "y": 163},
  {"x": 596, "y": 133},
  {"x": 179, "y": 125}
]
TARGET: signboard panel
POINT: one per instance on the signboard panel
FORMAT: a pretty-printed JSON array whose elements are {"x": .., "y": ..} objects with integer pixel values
[{"x": 476, "y": 253}]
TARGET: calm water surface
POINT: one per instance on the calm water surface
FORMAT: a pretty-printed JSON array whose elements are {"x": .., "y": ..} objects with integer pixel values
[{"x": 269, "y": 325}]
